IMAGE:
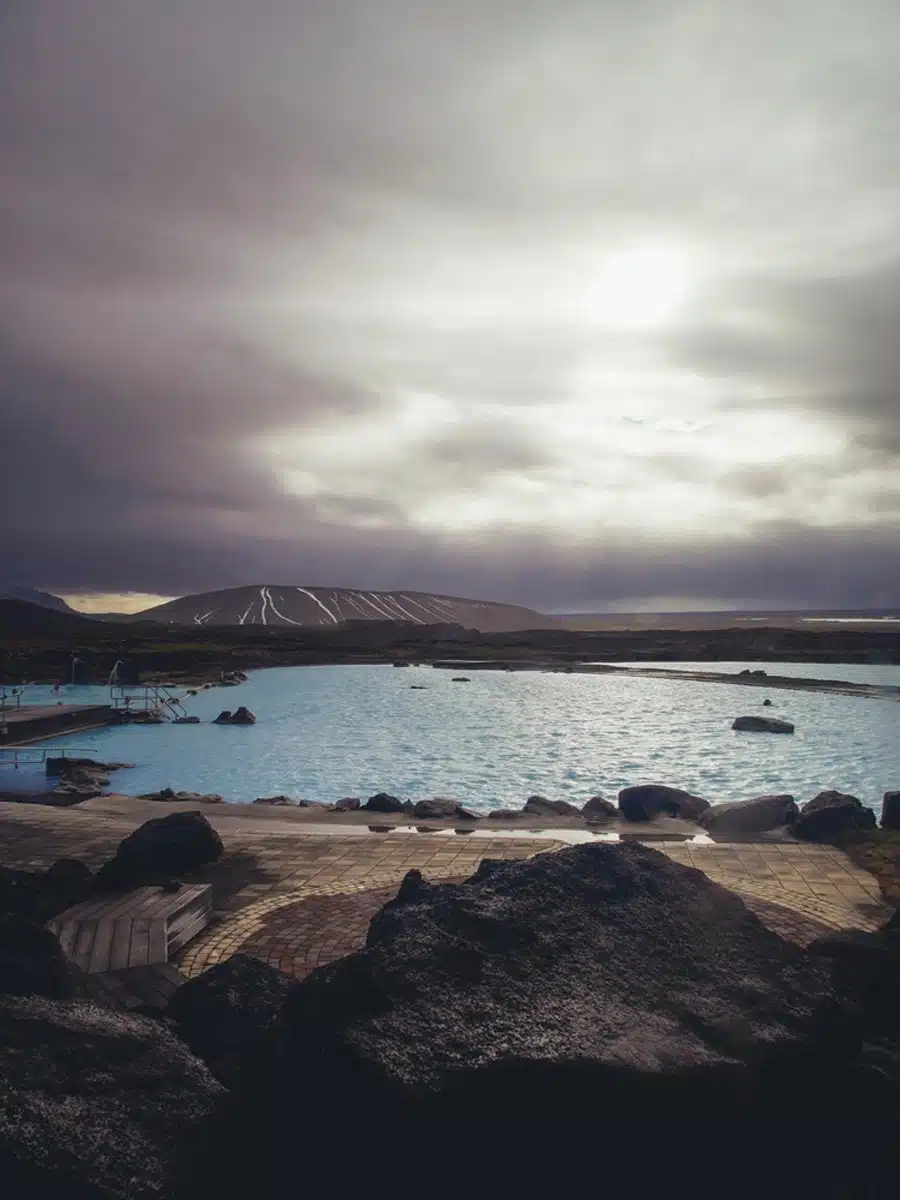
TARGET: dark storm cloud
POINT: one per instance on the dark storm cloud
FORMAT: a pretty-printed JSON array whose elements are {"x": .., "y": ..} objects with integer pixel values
[{"x": 245, "y": 242}]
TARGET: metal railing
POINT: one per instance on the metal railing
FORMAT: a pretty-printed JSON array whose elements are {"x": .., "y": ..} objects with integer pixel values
[
  {"x": 30, "y": 756},
  {"x": 153, "y": 698}
]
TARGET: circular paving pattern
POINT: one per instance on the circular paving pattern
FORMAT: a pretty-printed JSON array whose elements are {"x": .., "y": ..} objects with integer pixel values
[{"x": 297, "y": 932}]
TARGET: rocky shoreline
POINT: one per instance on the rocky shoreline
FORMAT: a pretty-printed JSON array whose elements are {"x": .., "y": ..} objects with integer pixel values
[{"x": 606, "y": 981}]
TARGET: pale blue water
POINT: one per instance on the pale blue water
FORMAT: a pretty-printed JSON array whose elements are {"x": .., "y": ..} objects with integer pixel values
[{"x": 327, "y": 732}]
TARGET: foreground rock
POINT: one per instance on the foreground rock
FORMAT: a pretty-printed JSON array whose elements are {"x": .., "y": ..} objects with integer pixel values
[
  {"x": 440, "y": 807},
  {"x": 94, "y": 1104},
  {"x": 40, "y": 895},
  {"x": 161, "y": 849},
  {"x": 225, "y": 1010},
  {"x": 750, "y": 816},
  {"x": 603, "y": 980},
  {"x": 831, "y": 814},
  {"x": 648, "y": 800},
  {"x": 346, "y": 804},
  {"x": 753, "y": 724},
  {"x": 31, "y": 960}
]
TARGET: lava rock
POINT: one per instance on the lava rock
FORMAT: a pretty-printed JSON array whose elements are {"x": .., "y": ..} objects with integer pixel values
[
  {"x": 890, "y": 811},
  {"x": 95, "y": 1104},
  {"x": 540, "y": 806},
  {"x": 831, "y": 814},
  {"x": 40, "y": 895},
  {"x": 506, "y": 814},
  {"x": 755, "y": 724},
  {"x": 750, "y": 816},
  {"x": 277, "y": 801},
  {"x": 607, "y": 980},
  {"x": 243, "y": 716},
  {"x": 225, "y": 1010},
  {"x": 32, "y": 961},
  {"x": 159, "y": 849},
  {"x": 224, "y": 717},
  {"x": 346, "y": 804},
  {"x": 598, "y": 808},
  {"x": 460, "y": 679},
  {"x": 645, "y": 801},
  {"x": 767, "y": 703},
  {"x": 186, "y": 721},
  {"x": 384, "y": 803},
  {"x": 439, "y": 807}
]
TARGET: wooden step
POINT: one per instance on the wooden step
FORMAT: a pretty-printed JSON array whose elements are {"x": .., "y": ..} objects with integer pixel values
[{"x": 143, "y": 928}]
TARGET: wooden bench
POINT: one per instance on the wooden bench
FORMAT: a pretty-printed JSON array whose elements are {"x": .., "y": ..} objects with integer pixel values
[{"x": 140, "y": 929}]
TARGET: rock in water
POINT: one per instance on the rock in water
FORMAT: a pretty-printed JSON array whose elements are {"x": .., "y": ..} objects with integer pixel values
[
  {"x": 890, "y": 811},
  {"x": 159, "y": 849},
  {"x": 598, "y": 808},
  {"x": 540, "y": 806},
  {"x": 645, "y": 801},
  {"x": 750, "y": 816},
  {"x": 94, "y": 1104},
  {"x": 227, "y": 1008},
  {"x": 441, "y": 807},
  {"x": 831, "y": 814},
  {"x": 604, "y": 980},
  {"x": 753, "y": 724},
  {"x": 384, "y": 803}
]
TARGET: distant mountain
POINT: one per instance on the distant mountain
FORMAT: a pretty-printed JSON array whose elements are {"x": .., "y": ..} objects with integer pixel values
[
  {"x": 18, "y": 618},
  {"x": 318, "y": 607},
  {"x": 33, "y": 596}
]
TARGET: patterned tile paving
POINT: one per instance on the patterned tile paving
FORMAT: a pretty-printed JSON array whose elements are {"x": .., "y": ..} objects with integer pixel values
[{"x": 299, "y": 899}]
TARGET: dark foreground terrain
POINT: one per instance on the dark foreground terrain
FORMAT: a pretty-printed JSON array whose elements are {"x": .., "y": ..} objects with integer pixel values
[{"x": 36, "y": 644}]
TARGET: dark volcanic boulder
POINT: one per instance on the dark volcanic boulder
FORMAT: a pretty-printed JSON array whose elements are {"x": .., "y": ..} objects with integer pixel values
[
  {"x": 754, "y": 724},
  {"x": 160, "y": 849},
  {"x": 598, "y": 808},
  {"x": 243, "y": 716},
  {"x": 750, "y": 816},
  {"x": 40, "y": 895},
  {"x": 277, "y": 801},
  {"x": 506, "y": 814},
  {"x": 31, "y": 960},
  {"x": 603, "y": 980},
  {"x": 94, "y": 1104},
  {"x": 540, "y": 806},
  {"x": 890, "y": 811},
  {"x": 831, "y": 814},
  {"x": 440, "y": 807},
  {"x": 224, "y": 717},
  {"x": 648, "y": 800},
  {"x": 383, "y": 803},
  {"x": 346, "y": 804},
  {"x": 224, "y": 1010}
]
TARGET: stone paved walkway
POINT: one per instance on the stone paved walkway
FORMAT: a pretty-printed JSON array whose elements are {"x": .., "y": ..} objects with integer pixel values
[{"x": 300, "y": 899}]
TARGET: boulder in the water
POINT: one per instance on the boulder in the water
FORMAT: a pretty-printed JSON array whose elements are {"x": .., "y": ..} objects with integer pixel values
[
  {"x": 755, "y": 724},
  {"x": 750, "y": 816},
  {"x": 598, "y": 808},
  {"x": 890, "y": 811},
  {"x": 540, "y": 806},
  {"x": 645, "y": 801},
  {"x": 161, "y": 848},
  {"x": 438, "y": 807},
  {"x": 382, "y": 802}
]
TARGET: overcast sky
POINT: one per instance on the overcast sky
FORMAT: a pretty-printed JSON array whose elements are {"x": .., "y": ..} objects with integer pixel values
[{"x": 567, "y": 302}]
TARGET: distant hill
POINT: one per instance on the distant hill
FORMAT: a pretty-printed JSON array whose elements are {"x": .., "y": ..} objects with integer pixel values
[
  {"x": 21, "y": 619},
  {"x": 33, "y": 596},
  {"x": 318, "y": 607}
]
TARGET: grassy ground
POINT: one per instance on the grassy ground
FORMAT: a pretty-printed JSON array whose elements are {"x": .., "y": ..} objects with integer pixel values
[{"x": 879, "y": 853}]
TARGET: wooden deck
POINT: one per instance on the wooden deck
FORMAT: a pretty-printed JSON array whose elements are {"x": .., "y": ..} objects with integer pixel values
[
  {"x": 141, "y": 929},
  {"x": 137, "y": 987}
]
